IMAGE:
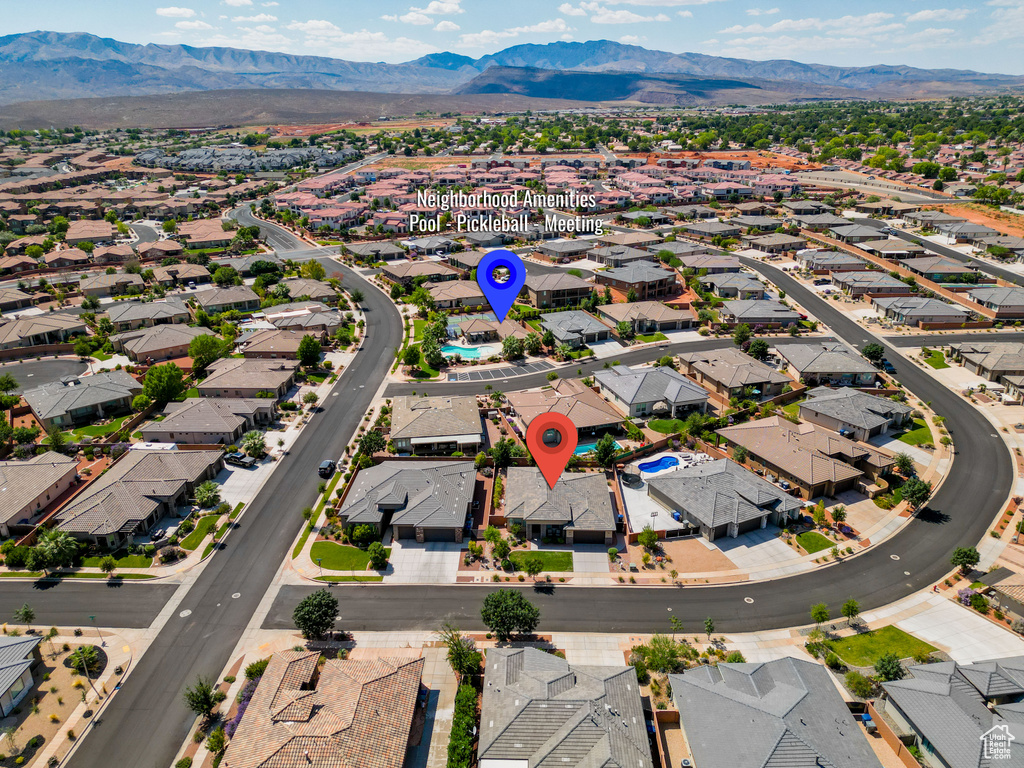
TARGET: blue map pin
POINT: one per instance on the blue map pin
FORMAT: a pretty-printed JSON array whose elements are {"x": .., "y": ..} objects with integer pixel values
[{"x": 499, "y": 295}]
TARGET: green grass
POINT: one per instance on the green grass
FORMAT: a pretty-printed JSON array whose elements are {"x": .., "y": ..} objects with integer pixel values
[
  {"x": 535, "y": 324},
  {"x": 21, "y": 574},
  {"x": 98, "y": 430},
  {"x": 191, "y": 392},
  {"x": 936, "y": 360},
  {"x": 552, "y": 561},
  {"x": 793, "y": 409},
  {"x": 308, "y": 528},
  {"x": 646, "y": 338},
  {"x": 203, "y": 527},
  {"x": 237, "y": 510},
  {"x": 338, "y": 557},
  {"x": 812, "y": 542},
  {"x": 919, "y": 435},
  {"x": 101, "y": 356},
  {"x": 865, "y": 649},
  {"x": 417, "y": 329},
  {"x": 665, "y": 426},
  {"x": 318, "y": 378},
  {"x": 350, "y": 578},
  {"x": 578, "y": 353},
  {"x": 979, "y": 586},
  {"x": 209, "y": 549},
  {"x": 122, "y": 559}
]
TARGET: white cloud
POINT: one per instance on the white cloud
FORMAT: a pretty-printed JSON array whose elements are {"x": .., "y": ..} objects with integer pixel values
[
  {"x": 415, "y": 17},
  {"x": 608, "y": 16},
  {"x": 869, "y": 23},
  {"x": 761, "y": 11},
  {"x": 175, "y": 12},
  {"x": 630, "y": 39},
  {"x": 662, "y": 3},
  {"x": 193, "y": 25},
  {"x": 325, "y": 36},
  {"x": 271, "y": 4},
  {"x": 1007, "y": 21},
  {"x": 441, "y": 8},
  {"x": 259, "y": 18},
  {"x": 446, "y": 26},
  {"x": 685, "y": 14},
  {"x": 940, "y": 14},
  {"x": 487, "y": 37},
  {"x": 237, "y": 3},
  {"x": 389, "y": 17},
  {"x": 567, "y": 9}
]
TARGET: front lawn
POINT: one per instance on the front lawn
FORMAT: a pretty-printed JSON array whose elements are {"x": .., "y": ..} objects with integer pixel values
[
  {"x": 203, "y": 527},
  {"x": 919, "y": 435},
  {"x": 338, "y": 557},
  {"x": 101, "y": 430},
  {"x": 376, "y": 577},
  {"x": 417, "y": 326},
  {"x": 551, "y": 561},
  {"x": 865, "y": 649},
  {"x": 666, "y": 426},
  {"x": 935, "y": 359},
  {"x": 122, "y": 559},
  {"x": 649, "y": 337},
  {"x": 812, "y": 542}
]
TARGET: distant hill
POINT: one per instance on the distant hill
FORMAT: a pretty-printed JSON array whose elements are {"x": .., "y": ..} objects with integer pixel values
[{"x": 37, "y": 66}]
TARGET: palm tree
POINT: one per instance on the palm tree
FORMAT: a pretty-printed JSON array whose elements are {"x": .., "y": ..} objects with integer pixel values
[
  {"x": 60, "y": 548},
  {"x": 25, "y": 614}
]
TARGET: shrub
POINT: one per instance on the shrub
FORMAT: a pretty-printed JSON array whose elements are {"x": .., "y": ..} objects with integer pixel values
[
  {"x": 256, "y": 669},
  {"x": 185, "y": 762},
  {"x": 859, "y": 685},
  {"x": 460, "y": 743}
]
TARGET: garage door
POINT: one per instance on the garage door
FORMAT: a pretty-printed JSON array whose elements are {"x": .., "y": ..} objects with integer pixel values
[
  {"x": 588, "y": 537},
  {"x": 439, "y": 534}
]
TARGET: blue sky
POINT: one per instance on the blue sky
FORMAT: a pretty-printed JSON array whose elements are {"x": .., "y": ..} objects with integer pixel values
[{"x": 986, "y": 35}]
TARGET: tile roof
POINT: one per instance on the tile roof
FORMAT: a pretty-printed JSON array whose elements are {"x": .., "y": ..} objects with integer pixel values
[
  {"x": 429, "y": 494},
  {"x": 21, "y": 482},
  {"x": 128, "y": 311},
  {"x": 570, "y": 397},
  {"x": 639, "y": 272},
  {"x": 732, "y": 368},
  {"x": 436, "y": 417},
  {"x": 61, "y": 397},
  {"x": 157, "y": 338},
  {"x": 556, "y": 281},
  {"x": 350, "y": 712},
  {"x": 538, "y": 710},
  {"x": 233, "y": 294},
  {"x": 853, "y": 407},
  {"x": 758, "y": 310},
  {"x": 111, "y": 281},
  {"x": 315, "y": 289},
  {"x": 646, "y": 385},
  {"x": 27, "y": 326},
  {"x": 827, "y": 357},
  {"x": 209, "y": 414},
  {"x": 654, "y": 311},
  {"x": 282, "y": 342},
  {"x": 579, "y": 501},
  {"x": 247, "y": 373}
]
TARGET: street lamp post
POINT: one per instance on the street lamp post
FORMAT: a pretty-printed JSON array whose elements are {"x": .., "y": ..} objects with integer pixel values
[
  {"x": 99, "y": 633},
  {"x": 319, "y": 562}
]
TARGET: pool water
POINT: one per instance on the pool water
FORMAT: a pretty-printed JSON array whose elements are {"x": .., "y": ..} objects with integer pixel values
[
  {"x": 469, "y": 353},
  {"x": 664, "y": 462},
  {"x": 582, "y": 448}
]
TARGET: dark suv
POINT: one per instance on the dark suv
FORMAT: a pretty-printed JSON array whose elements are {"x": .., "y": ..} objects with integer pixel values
[
  {"x": 326, "y": 468},
  {"x": 239, "y": 460}
]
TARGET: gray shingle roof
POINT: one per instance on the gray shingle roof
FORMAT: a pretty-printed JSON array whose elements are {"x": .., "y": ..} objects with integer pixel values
[
  {"x": 538, "y": 710},
  {"x": 430, "y": 494},
  {"x": 233, "y": 294},
  {"x": 732, "y": 368},
  {"x": 556, "y": 281},
  {"x": 209, "y": 414},
  {"x": 157, "y": 338},
  {"x": 127, "y": 311},
  {"x": 919, "y": 306},
  {"x": 580, "y": 501},
  {"x": 759, "y": 310},
  {"x": 61, "y": 397},
  {"x": 639, "y": 272},
  {"x": 22, "y": 481},
  {"x": 643, "y": 310},
  {"x": 853, "y": 407},
  {"x": 785, "y": 713},
  {"x": 435, "y": 417},
  {"x": 246, "y": 373},
  {"x": 829, "y": 357},
  {"x": 15, "y": 658},
  {"x": 572, "y": 324},
  {"x": 647, "y": 385},
  {"x": 999, "y": 295},
  {"x": 736, "y": 280},
  {"x": 721, "y": 492}
]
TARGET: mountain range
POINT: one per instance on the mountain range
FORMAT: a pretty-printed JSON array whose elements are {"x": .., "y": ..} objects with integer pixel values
[{"x": 39, "y": 66}]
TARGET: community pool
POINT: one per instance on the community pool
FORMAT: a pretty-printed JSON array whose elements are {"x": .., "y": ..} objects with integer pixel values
[
  {"x": 662, "y": 462},
  {"x": 470, "y": 353},
  {"x": 582, "y": 448}
]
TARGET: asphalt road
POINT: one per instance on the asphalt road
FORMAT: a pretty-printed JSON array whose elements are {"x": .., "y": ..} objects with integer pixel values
[
  {"x": 147, "y": 721},
  {"x": 145, "y": 232},
  {"x": 978, "y": 484},
  {"x": 952, "y": 253},
  {"x": 38, "y": 372}
]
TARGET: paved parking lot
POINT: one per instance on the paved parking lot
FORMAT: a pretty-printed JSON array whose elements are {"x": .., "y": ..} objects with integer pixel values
[{"x": 500, "y": 373}]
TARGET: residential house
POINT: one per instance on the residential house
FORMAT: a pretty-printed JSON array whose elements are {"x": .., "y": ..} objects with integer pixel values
[
  {"x": 758, "y": 312},
  {"x": 816, "y": 461},
  {"x": 643, "y": 278},
  {"x": 211, "y": 421},
  {"x": 757, "y": 223},
  {"x": 913, "y": 310},
  {"x": 825, "y": 262},
  {"x": 588, "y": 411},
  {"x": 558, "y": 289},
  {"x": 405, "y": 272},
  {"x": 827, "y": 362},
  {"x": 569, "y": 250},
  {"x": 20, "y": 656},
  {"x": 13, "y": 298},
  {"x": 246, "y": 377},
  {"x": 714, "y": 263},
  {"x": 776, "y": 243},
  {"x": 160, "y": 249},
  {"x": 28, "y": 487},
  {"x": 1007, "y": 301},
  {"x": 575, "y": 328},
  {"x": 159, "y": 342},
  {"x": 313, "y": 290},
  {"x": 852, "y": 413},
  {"x": 442, "y": 424},
  {"x": 710, "y": 229},
  {"x": 720, "y": 499},
  {"x": 631, "y": 239},
  {"x": 36, "y": 330},
  {"x": 274, "y": 343},
  {"x": 728, "y": 372},
  {"x": 66, "y": 258},
  {"x": 346, "y": 711},
  {"x": 854, "y": 233},
  {"x": 940, "y": 269},
  {"x": 12, "y": 263},
  {"x": 134, "y": 493},
  {"x": 646, "y": 316},
  {"x": 378, "y": 251},
  {"x": 421, "y": 500},
  {"x": 791, "y": 711},
  {"x": 734, "y": 286},
  {"x": 176, "y": 274},
  {"x": 456, "y": 293},
  {"x": 649, "y": 392},
  {"x": 620, "y": 255},
  {"x": 599, "y": 722},
  {"x": 113, "y": 254},
  {"x": 111, "y": 285},
  {"x": 467, "y": 261},
  {"x": 216, "y": 300},
  {"x": 205, "y": 233},
  {"x": 92, "y": 230},
  {"x": 871, "y": 282},
  {"x": 579, "y": 508},
  {"x": 73, "y": 401},
  {"x": 893, "y": 248},
  {"x": 819, "y": 222},
  {"x": 129, "y": 315},
  {"x": 993, "y": 360}
]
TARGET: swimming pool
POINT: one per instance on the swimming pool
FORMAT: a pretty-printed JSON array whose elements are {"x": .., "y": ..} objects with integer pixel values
[
  {"x": 662, "y": 462},
  {"x": 469, "y": 353},
  {"x": 582, "y": 448}
]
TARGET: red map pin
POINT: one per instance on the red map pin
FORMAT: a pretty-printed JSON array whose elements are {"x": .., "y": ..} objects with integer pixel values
[{"x": 551, "y": 439}]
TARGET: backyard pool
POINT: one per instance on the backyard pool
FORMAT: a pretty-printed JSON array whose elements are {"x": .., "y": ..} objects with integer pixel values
[
  {"x": 582, "y": 448},
  {"x": 662, "y": 462},
  {"x": 469, "y": 353}
]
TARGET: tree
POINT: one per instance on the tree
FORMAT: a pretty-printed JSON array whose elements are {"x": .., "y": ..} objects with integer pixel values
[
  {"x": 216, "y": 742},
  {"x": 512, "y": 348},
  {"x": 851, "y": 610},
  {"x": 140, "y": 403},
  {"x": 462, "y": 655},
  {"x": 506, "y": 612},
  {"x": 532, "y": 344},
  {"x": 709, "y": 626},
  {"x": 311, "y": 398},
  {"x": 758, "y": 349},
  {"x": 873, "y": 352},
  {"x": 548, "y": 338},
  {"x": 204, "y": 350},
  {"x": 85, "y": 658},
  {"x": 254, "y": 443},
  {"x": 740, "y": 454},
  {"x": 371, "y": 442},
  {"x": 819, "y": 613},
  {"x": 309, "y": 349},
  {"x": 741, "y": 334},
  {"x": 26, "y": 614},
  {"x": 356, "y": 296},
  {"x": 859, "y": 685},
  {"x": 411, "y": 356},
  {"x": 56, "y": 439},
  {"x": 83, "y": 349},
  {"x": 316, "y": 614},
  {"x": 904, "y": 464},
  {"x": 225, "y": 276},
  {"x": 677, "y": 626},
  {"x": 916, "y": 491},
  {"x": 501, "y": 549},
  {"x": 631, "y": 295},
  {"x": 200, "y": 697},
  {"x": 169, "y": 226},
  {"x": 313, "y": 270},
  {"x": 819, "y": 514},
  {"x": 378, "y": 556},
  {"x": 839, "y": 514},
  {"x": 164, "y": 383},
  {"x": 501, "y": 453},
  {"x": 647, "y": 538},
  {"x": 965, "y": 558},
  {"x": 59, "y": 548},
  {"x": 605, "y": 450},
  {"x": 888, "y": 667},
  {"x": 533, "y": 565},
  {"x": 108, "y": 564},
  {"x": 207, "y": 494},
  {"x": 735, "y": 658}
]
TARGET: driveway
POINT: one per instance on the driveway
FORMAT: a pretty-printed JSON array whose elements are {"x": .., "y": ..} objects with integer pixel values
[
  {"x": 432, "y": 562},
  {"x": 965, "y": 635},
  {"x": 609, "y": 348},
  {"x": 757, "y": 548}
]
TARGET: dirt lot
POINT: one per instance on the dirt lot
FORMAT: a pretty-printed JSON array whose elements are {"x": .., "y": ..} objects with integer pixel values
[
  {"x": 757, "y": 159},
  {"x": 687, "y": 556},
  {"x": 1007, "y": 223}
]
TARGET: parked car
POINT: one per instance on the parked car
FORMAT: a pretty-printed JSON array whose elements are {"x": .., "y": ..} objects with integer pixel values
[
  {"x": 239, "y": 460},
  {"x": 326, "y": 468}
]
